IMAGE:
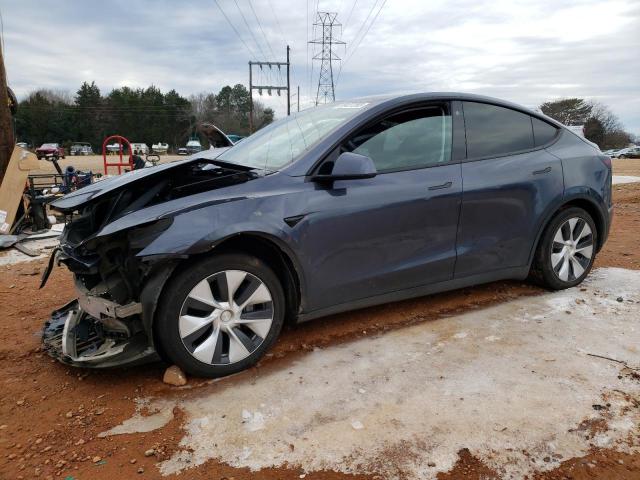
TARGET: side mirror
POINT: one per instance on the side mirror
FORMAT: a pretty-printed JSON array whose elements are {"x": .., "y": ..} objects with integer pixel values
[{"x": 349, "y": 166}]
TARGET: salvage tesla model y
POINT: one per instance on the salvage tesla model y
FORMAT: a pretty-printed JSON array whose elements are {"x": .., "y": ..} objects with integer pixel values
[{"x": 343, "y": 206}]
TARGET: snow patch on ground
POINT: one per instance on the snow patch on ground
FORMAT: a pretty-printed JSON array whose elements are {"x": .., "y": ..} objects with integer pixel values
[
  {"x": 159, "y": 415},
  {"x": 11, "y": 256},
  {"x": 620, "y": 179},
  {"x": 511, "y": 378}
]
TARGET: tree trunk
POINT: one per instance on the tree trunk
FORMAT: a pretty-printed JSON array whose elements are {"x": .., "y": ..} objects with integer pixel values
[{"x": 7, "y": 142}]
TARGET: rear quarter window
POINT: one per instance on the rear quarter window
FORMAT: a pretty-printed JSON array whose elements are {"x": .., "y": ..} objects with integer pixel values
[
  {"x": 543, "y": 132},
  {"x": 494, "y": 131}
]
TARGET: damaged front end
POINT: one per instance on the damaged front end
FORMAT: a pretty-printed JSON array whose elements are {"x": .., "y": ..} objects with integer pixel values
[
  {"x": 109, "y": 226},
  {"x": 77, "y": 337},
  {"x": 105, "y": 326}
]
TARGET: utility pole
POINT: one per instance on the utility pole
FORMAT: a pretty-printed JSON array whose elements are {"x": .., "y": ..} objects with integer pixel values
[
  {"x": 269, "y": 88},
  {"x": 326, "y": 88},
  {"x": 288, "y": 85},
  {"x": 7, "y": 140},
  {"x": 250, "y": 99}
]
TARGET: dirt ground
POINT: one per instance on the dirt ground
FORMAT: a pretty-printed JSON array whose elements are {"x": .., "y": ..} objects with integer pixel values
[{"x": 51, "y": 415}]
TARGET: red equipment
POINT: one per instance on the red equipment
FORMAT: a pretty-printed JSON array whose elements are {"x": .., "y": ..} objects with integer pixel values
[{"x": 120, "y": 139}]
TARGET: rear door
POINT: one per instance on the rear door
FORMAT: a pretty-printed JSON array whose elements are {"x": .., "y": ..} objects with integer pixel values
[
  {"x": 510, "y": 181},
  {"x": 395, "y": 231}
]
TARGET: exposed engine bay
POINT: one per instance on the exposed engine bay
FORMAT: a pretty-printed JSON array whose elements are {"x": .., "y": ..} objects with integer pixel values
[{"x": 110, "y": 322}]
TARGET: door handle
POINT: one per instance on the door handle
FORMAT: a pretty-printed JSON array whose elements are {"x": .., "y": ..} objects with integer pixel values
[
  {"x": 440, "y": 187},
  {"x": 540, "y": 172}
]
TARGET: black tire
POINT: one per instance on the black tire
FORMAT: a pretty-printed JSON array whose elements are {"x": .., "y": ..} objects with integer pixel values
[
  {"x": 542, "y": 271},
  {"x": 166, "y": 326}
]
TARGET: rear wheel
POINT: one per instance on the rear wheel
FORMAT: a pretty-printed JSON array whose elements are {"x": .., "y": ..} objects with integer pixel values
[
  {"x": 566, "y": 251},
  {"x": 221, "y": 315}
]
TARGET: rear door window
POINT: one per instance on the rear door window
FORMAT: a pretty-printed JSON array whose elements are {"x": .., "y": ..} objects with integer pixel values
[{"x": 493, "y": 131}]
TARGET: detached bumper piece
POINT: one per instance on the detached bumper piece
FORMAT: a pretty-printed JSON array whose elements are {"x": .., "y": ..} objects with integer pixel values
[{"x": 75, "y": 337}]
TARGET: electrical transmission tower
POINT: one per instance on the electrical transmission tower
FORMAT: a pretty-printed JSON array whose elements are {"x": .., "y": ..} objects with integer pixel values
[{"x": 326, "y": 21}]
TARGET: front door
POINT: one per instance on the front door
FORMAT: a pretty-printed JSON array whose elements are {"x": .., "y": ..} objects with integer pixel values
[{"x": 363, "y": 238}]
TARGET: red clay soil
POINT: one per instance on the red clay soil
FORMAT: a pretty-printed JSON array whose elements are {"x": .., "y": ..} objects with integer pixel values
[{"x": 50, "y": 414}]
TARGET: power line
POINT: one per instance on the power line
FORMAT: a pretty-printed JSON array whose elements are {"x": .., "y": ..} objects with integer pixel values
[
  {"x": 249, "y": 28},
  {"x": 352, "y": 51},
  {"x": 235, "y": 29},
  {"x": 266, "y": 39},
  {"x": 105, "y": 109},
  {"x": 261, "y": 29},
  {"x": 367, "y": 30},
  {"x": 344, "y": 27},
  {"x": 275, "y": 15},
  {"x": 375, "y": 4}
]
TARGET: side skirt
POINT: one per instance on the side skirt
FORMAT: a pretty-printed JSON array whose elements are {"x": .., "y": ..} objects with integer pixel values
[{"x": 516, "y": 273}]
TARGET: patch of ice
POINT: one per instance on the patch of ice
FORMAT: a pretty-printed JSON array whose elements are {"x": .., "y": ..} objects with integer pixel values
[
  {"x": 43, "y": 246},
  {"x": 526, "y": 393},
  {"x": 163, "y": 414},
  {"x": 620, "y": 179},
  {"x": 357, "y": 425}
]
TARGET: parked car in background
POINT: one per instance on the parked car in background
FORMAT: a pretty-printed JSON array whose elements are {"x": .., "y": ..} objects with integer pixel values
[
  {"x": 49, "y": 150},
  {"x": 182, "y": 151},
  {"x": 334, "y": 208},
  {"x": 159, "y": 148},
  {"x": 234, "y": 138},
  {"x": 24, "y": 145},
  {"x": 577, "y": 129},
  {"x": 81, "y": 148},
  {"x": 616, "y": 152},
  {"x": 631, "y": 152},
  {"x": 114, "y": 147},
  {"x": 193, "y": 146},
  {"x": 139, "y": 148}
]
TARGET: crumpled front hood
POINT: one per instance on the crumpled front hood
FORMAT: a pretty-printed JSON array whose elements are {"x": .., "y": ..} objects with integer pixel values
[{"x": 77, "y": 199}]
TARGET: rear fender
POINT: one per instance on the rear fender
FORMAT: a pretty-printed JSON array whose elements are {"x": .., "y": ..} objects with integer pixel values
[{"x": 583, "y": 194}]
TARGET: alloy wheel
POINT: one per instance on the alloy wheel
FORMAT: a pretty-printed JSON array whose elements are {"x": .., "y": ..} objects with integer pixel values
[
  {"x": 572, "y": 249},
  {"x": 226, "y": 317}
]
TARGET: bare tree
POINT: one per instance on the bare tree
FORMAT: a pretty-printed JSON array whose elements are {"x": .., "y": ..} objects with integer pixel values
[{"x": 601, "y": 125}]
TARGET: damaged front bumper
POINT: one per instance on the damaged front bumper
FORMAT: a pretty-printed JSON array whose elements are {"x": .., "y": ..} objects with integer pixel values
[{"x": 95, "y": 332}]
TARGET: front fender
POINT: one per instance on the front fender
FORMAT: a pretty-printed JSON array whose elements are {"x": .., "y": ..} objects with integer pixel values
[{"x": 198, "y": 231}]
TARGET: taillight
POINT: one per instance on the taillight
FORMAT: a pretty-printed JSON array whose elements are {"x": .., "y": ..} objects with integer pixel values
[{"x": 606, "y": 160}]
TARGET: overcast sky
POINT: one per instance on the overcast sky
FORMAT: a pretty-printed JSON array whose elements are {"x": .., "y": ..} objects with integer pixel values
[{"x": 526, "y": 52}]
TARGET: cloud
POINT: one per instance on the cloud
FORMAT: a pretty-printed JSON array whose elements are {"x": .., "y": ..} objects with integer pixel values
[{"x": 527, "y": 52}]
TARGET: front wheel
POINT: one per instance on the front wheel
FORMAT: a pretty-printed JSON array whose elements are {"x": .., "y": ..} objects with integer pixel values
[
  {"x": 566, "y": 251},
  {"x": 219, "y": 316}
]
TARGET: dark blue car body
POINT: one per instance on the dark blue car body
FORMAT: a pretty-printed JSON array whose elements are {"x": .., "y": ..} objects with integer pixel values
[{"x": 353, "y": 243}]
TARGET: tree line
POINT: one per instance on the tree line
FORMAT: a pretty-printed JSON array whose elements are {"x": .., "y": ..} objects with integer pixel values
[
  {"x": 601, "y": 126},
  {"x": 151, "y": 116},
  {"x": 140, "y": 114}
]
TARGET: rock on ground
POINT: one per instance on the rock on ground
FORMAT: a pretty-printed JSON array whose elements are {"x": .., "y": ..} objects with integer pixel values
[{"x": 174, "y": 376}]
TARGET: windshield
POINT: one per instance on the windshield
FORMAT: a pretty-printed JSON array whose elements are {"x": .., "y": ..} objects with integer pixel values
[{"x": 277, "y": 145}]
